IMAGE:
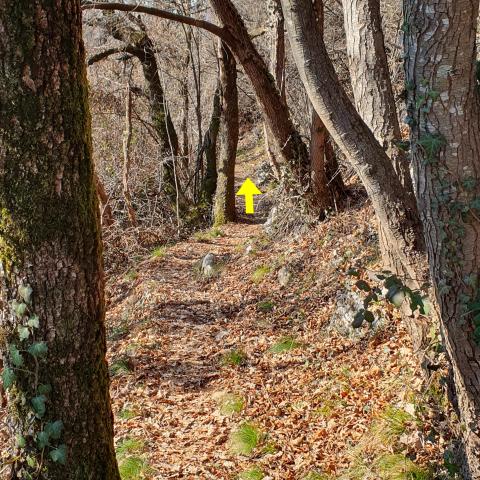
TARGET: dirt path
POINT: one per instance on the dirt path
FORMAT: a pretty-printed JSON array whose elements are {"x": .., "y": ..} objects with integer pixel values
[{"x": 170, "y": 331}]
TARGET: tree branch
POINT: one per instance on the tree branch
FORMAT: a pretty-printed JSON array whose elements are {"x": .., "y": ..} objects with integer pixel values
[
  {"x": 210, "y": 27},
  {"x": 106, "y": 53}
]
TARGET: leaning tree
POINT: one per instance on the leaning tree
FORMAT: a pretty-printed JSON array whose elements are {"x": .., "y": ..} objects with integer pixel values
[{"x": 444, "y": 117}]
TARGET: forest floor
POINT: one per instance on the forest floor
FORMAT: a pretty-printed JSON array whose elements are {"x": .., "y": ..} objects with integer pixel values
[{"x": 235, "y": 376}]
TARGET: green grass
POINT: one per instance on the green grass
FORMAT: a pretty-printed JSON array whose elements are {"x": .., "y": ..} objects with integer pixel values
[
  {"x": 231, "y": 403},
  {"x": 234, "y": 358},
  {"x": 159, "y": 252},
  {"x": 207, "y": 236},
  {"x": 393, "y": 423},
  {"x": 131, "y": 464},
  {"x": 119, "y": 367},
  {"x": 265, "y": 306},
  {"x": 260, "y": 273},
  {"x": 252, "y": 474},
  {"x": 127, "y": 414},
  {"x": 285, "y": 344},
  {"x": 399, "y": 467},
  {"x": 245, "y": 439},
  {"x": 131, "y": 275},
  {"x": 315, "y": 476}
]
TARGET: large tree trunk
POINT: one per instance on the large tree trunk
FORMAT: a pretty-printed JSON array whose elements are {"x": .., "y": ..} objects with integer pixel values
[
  {"x": 370, "y": 79},
  {"x": 396, "y": 211},
  {"x": 52, "y": 318},
  {"x": 224, "y": 209},
  {"x": 288, "y": 142},
  {"x": 444, "y": 112}
]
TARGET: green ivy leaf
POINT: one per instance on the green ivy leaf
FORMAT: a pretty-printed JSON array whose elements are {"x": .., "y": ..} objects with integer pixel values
[
  {"x": 363, "y": 285},
  {"x": 353, "y": 272},
  {"x": 369, "y": 316},
  {"x": 38, "y": 404},
  {"x": 33, "y": 321},
  {"x": 19, "y": 308},
  {"x": 44, "y": 389},
  {"x": 476, "y": 320},
  {"x": 476, "y": 335},
  {"x": 54, "y": 429},
  {"x": 21, "y": 442},
  {"x": 31, "y": 461},
  {"x": 59, "y": 455},
  {"x": 8, "y": 377},
  {"x": 25, "y": 291},
  {"x": 42, "y": 439},
  {"x": 358, "y": 319},
  {"x": 16, "y": 356},
  {"x": 23, "y": 332},
  {"x": 38, "y": 349}
]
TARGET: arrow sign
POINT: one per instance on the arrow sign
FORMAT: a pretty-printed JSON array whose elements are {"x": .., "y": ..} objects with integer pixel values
[{"x": 249, "y": 189}]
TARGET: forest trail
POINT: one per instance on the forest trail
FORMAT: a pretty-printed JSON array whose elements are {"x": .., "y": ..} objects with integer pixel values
[{"x": 192, "y": 359}]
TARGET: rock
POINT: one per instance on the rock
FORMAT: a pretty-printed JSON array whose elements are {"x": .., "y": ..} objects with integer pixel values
[
  {"x": 268, "y": 226},
  {"x": 263, "y": 174},
  {"x": 208, "y": 264},
  {"x": 284, "y": 276},
  {"x": 348, "y": 304}
]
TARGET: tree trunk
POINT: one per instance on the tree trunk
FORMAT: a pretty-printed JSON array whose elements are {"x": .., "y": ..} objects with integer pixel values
[
  {"x": 106, "y": 215},
  {"x": 210, "y": 148},
  {"x": 395, "y": 210},
  {"x": 127, "y": 138},
  {"x": 289, "y": 143},
  {"x": 276, "y": 41},
  {"x": 224, "y": 209},
  {"x": 52, "y": 318},
  {"x": 444, "y": 114},
  {"x": 318, "y": 145},
  {"x": 370, "y": 79}
]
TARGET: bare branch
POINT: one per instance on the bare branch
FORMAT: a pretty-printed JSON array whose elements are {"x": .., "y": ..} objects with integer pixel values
[
  {"x": 106, "y": 53},
  {"x": 210, "y": 27}
]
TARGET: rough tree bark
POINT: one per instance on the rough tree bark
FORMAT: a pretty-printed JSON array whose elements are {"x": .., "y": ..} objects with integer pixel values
[
  {"x": 396, "y": 211},
  {"x": 444, "y": 115},
  {"x": 276, "y": 42},
  {"x": 370, "y": 79},
  {"x": 50, "y": 250},
  {"x": 224, "y": 208}
]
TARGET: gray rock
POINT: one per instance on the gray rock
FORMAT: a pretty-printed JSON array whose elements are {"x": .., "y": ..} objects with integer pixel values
[
  {"x": 348, "y": 304},
  {"x": 284, "y": 276},
  {"x": 268, "y": 226},
  {"x": 208, "y": 264}
]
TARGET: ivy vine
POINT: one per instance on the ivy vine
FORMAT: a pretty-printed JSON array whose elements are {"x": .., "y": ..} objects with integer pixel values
[{"x": 24, "y": 355}]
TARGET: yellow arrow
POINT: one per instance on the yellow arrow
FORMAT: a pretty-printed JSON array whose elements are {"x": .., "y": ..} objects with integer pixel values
[{"x": 249, "y": 189}]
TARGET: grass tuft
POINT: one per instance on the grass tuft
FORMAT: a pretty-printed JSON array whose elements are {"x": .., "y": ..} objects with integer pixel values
[
  {"x": 392, "y": 424},
  {"x": 399, "y": 467},
  {"x": 252, "y": 474},
  {"x": 131, "y": 465},
  {"x": 207, "y": 236},
  {"x": 159, "y": 252},
  {"x": 260, "y": 273},
  {"x": 234, "y": 358},
  {"x": 265, "y": 306},
  {"x": 245, "y": 439},
  {"x": 285, "y": 344},
  {"x": 231, "y": 403},
  {"x": 120, "y": 366}
]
